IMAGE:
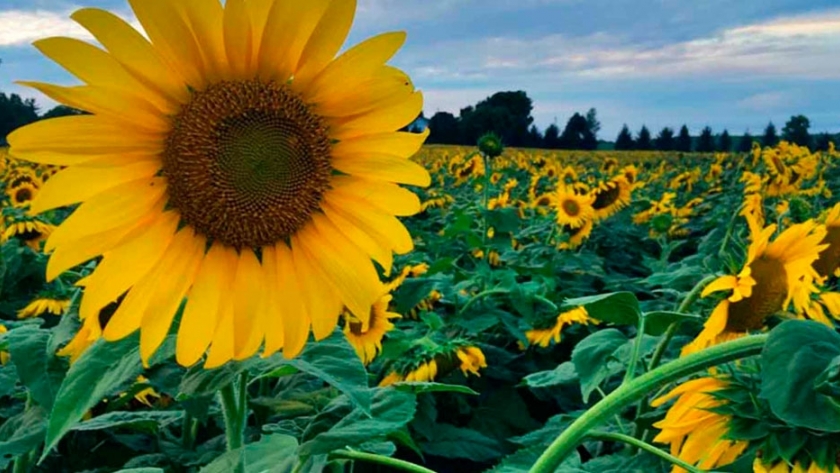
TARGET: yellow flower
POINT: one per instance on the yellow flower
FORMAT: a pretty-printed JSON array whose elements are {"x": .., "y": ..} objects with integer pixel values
[
  {"x": 774, "y": 275},
  {"x": 22, "y": 194},
  {"x": 391, "y": 378},
  {"x": 829, "y": 260},
  {"x": 367, "y": 339},
  {"x": 611, "y": 196},
  {"x": 43, "y": 306},
  {"x": 231, "y": 160},
  {"x": 4, "y": 355},
  {"x": 544, "y": 337},
  {"x": 424, "y": 372},
  {"x": 472, "y": 359},
  {"x": 573, "y": 210},
  {"x": 577, "y": 235},
  {"x": 30, "y": 231},
  {"x": 782, "y": 467},
  {"x": 695, "y": 433}
]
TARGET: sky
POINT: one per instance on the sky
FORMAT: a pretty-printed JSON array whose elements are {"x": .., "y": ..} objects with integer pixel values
[{"x": 734, "y": 64}]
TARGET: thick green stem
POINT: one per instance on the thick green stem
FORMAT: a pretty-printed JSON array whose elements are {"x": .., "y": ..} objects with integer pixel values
[
  {"x": 637, "y": 349},
  {"x": 479, "y": 296},
  {"x": 638, "y": 388},
  {"x": 380, "y": 459},
  {"x": 234, "y": 409},
  {"x": 189, "y": 429},
  {"x": 638, "y": 444}
]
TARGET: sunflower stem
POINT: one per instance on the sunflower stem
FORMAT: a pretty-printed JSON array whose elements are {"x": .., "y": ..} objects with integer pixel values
[
  {"x": 479, "y": 296},
  {"x": 189, "y": 429},
  {"x": 637, "y": 349},
  {"x": 638, "y": 444},
  {"x": 638, "y": 388},
  {"x": 380, "y": 459},
  {"x": 234, "y": 409}
]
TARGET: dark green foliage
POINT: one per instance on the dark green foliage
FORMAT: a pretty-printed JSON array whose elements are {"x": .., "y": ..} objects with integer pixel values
[
  {"x": 15, "y": 112},
  {"x": 624, "y": 141},
  {"x": 665, "y": 140},
  {"x": 745, "y": 143},
  {"x": 684, "y": 140},
  {"x": 724, "y": 142},
  {"x": 706, "y": 141},
  {"x": 577, "y": 134},
  {"x": 443, "y": 129},
  {"x": 770, "y": 137},
  {"x": 643, "y": 140},
  {"x": 796, "y": 130}
]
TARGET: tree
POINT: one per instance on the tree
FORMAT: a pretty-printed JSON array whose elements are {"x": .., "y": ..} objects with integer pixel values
[
  {"x": 725, "y": 142},
  {"x": 577, "y": 135},
  {"x": 592, "y": 122},
  {"x": 534, "y": 139},
  {"x": 745, "y": 143},
  {"x": 684, "y": 140},
  {"x": 822, "y": 141},
  {"x": 706, "y": 141},
  {"x": 796, "y": 130},
  {"x": 63, "y": 111},
  {"x": 551, "y": 138},
  {"x": 624, "y": 141},
  {"x": 443, "y": 129},
  {"x": 15, "y": 112},
  {"x": 644, "y": 141},
  {"x": 508, "y": 114},
  {"x": 770, "y": 137},
  {"x": 665, "y": 140}
]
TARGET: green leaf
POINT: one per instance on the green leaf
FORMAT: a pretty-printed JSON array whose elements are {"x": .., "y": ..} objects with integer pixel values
[
  {"x": 198, "y": 381},
  {"x": 796, "y": 354},
  {"x": 272, "y": 454},
  {"x": 419, "y": 388},
  {"x": 21, "y": 434},
  {"x": 523, "y": 460},
  {"x": 828, "y": 382},
  {"x": 621, "y": 308},
  {"x": 8, "y": 379},
  {"x": 462, "y": 443},
  {"x": 593, "y": 358},
  {"x": 38, "y": 367},
  {"x": 391, "y": 409},
  {"x": 504, "y": 220},
  {"x": 657, "y": 323},
  {"x": 139, "y": 420},
  {"x": 104, "y": 369},
  {"x": 564, "y": 374},
  {"x": 142, "y": 470},
  {"x": 411, "y": 292}
]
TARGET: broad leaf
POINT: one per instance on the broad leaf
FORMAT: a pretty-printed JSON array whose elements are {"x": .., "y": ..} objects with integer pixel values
[
  {"x": 21, "y": 434},
  {"x": 272, "y": 454},
  {"x": 139, "y": 420},
  {"x": 594, "y": 358},
  {"x": 38, "y": 367},
  {"x": 621, "y": 308}
]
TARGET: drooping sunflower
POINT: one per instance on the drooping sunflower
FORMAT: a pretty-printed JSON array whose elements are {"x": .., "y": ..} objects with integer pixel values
[
  {"x": 573, "y": 209},
  {"x": 472, "y": 359},
  {"x": 545, "y": 336},
  {"x": 577, "y": 235},
  {"x": 775, "y": 274},
  {"x": 368, "y": 341},
  {"x": 231, "y": 160},
  {"x": 44, "y": 305},
  {"x": 31, "y": 232},
  {"x": 695, "y": 432},
  {"x": 828, "y": 262},
  {"x": 21, "y": 194},
  {"x": 611, "y": 196}
]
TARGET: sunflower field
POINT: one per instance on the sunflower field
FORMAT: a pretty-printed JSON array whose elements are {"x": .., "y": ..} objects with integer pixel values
[{"x": 231, "y": 259}]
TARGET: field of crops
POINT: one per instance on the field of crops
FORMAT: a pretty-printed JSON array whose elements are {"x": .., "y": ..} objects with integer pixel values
[{"x": 539, "y": 285}]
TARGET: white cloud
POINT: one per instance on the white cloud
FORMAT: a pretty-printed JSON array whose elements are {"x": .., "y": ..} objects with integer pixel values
[{"x": 21, "y": 27}]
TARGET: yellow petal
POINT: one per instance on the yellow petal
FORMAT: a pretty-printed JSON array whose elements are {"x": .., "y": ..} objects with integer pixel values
[
  {"x": 356, "y": 66},
  {"x": 287, "y": 30},
  {"x": 722, "y": 283},
  {"x": 206, "y": 18},
  {"x": 295, "y": 314},
  {"x": 399, "y": 144},
  {"x": 384, "y": 167},
  {"x": 238, "y": 39},
  {"x": 321, "y": 300},
  {"x": 201, "y": 315},
  {"x": 136, "y": 55},
  {"x": 326, "y": 40},
  {"x": 221, "y": 349},
  {"x": 115, "y": 105},
  {"x": 389, "y": 117},
  {"x": 387, "y": 85},
  {"x": 170, "y": 289},
  {"x": 343, "y": 265},
  {"x": 379, "y": 253},
  {"x": 127, "y": 264},
  {"x": 258, "y": 13},
  {"x": 171, "y": 35},
  {"x": 110, "y": 209},
  {"x": 79, "y": 183},
  {"x": 82, "y": 134},
  {"x": 387, "y": 197},
  {"x": 272, "y": 314},
  {"x": 384, "y": 228},
  {"x": 248, "y": 291}
]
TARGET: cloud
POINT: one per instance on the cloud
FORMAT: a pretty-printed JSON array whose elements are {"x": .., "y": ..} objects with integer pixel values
[
  {"x": 21, "y": 27},
  {"x": 768, "y": 101}
]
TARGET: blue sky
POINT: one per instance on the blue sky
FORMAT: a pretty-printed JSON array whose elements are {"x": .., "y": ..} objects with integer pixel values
[{"x": 733, "y": 64}]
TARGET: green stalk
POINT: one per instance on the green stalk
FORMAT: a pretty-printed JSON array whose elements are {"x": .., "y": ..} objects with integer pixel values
[
  {"x": 481, "y": 295},
  {"x": 638, "y": 444},
  {"x": 234, "y": 409},
  {"x": 380, "y": 459},
  {"x": 638, "y": 388},
  {"x": 634, "y": 355},
  {"x": 189, "y": 429}
]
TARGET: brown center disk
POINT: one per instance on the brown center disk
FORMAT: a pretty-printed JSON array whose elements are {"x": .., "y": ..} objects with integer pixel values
[
  {"x": 768, "y": 296},
  {"x": 605, "y": 198},
  {"x": 829, "y": 258},
  {"x": 247, "y": 163},
  {"x": 571, "y": 207}
]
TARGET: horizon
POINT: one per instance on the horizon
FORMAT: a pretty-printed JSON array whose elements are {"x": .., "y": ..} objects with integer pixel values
[{"x": 679, "y": 64}]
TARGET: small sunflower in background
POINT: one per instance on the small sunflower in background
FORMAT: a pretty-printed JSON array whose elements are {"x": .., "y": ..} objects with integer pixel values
[
  {"x": 44, "y": 305},
  {"x": 545, "y": 336},
  {"x": 21, "y": 194},
  {"x": 576, "y": 236},
  {"x": 611, "y": 196},
  {"x": 367, "y": 341},
  {"x": 774, "y": 275},
  {"x": 233, "y": 160},
  {"x": 828, "y": 263},
  {"x": 428, "y": 362},
  {"x": 30, "y": 231}
]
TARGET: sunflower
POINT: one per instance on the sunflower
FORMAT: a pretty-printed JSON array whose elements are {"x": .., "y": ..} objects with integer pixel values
[
  {"x": 798, "y": 467},
  {"x": 31, "y": 232},
  {"x": 423, "y": 372},
  {"x": 44, "y": 305},
  {"x": 544, "y": 337},
  {"x": 573, "y": 210},
  {"x": 829, "y": 261},
  {"x": 696, "y": 433},
  {"x": 231, "y": 160},
  {"x": 775, "y": 274},
  {"x": 472, "y": 359},
  {"x": 367, "y": 341},
  {"x": 611, "y": 196},
  {"x": 576, "y": 235},
  {"x": 21, "y": 194},
  {"x": 91, "y": 329}
]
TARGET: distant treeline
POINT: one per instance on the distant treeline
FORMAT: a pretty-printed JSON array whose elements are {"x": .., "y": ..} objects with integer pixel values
[{"x": 508, "y": 114}]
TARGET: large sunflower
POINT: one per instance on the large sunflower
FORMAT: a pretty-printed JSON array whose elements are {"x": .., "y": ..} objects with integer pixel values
[
  {"x": 231, "y": 160},
  {"x": 573, "y": 209},
  {"x": 611, "y": 196},
  {"x": 775, "y": 274}
]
